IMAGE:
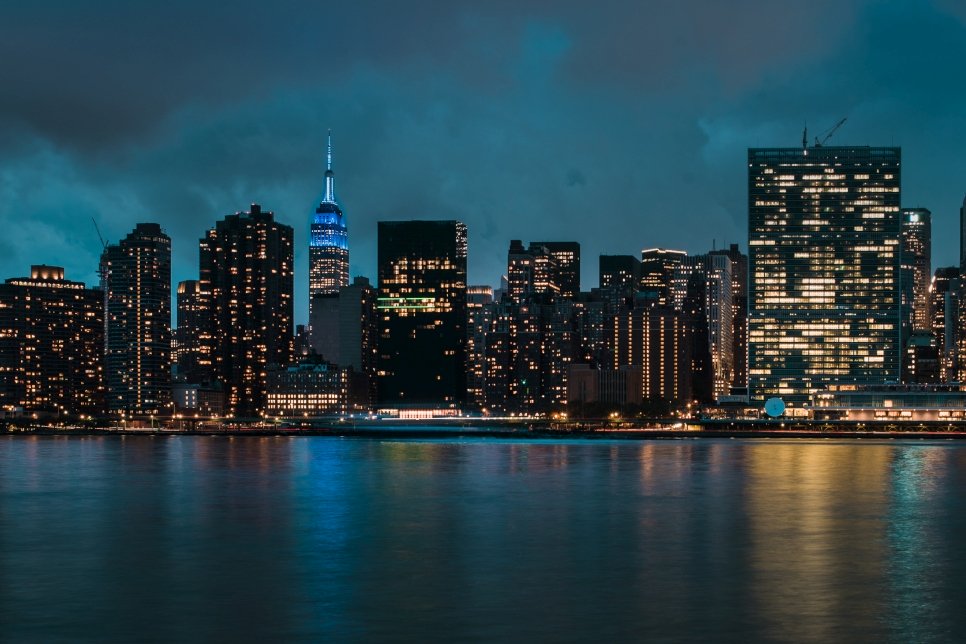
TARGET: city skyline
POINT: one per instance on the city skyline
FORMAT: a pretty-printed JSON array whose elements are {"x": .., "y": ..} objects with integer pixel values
[{"x": 651, "y": 142}]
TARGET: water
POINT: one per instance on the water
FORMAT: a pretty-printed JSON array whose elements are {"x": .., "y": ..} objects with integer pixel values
[{"x": 311, "y": 539}]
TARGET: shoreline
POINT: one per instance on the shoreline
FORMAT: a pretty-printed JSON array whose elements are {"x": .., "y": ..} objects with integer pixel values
[{"x": 428, "y": 432}]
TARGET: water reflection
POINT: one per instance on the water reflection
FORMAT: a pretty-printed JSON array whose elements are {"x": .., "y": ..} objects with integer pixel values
[{"x": 179, "y": 538}]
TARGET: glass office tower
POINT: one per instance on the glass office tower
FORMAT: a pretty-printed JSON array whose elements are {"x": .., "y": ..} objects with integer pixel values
[{"x": 824, "y": 229}]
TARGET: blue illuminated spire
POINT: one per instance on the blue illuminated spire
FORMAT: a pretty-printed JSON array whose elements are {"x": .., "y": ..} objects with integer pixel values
[
  {"x": 329, "y": 175},
  {"x": 328, "y": 240}
]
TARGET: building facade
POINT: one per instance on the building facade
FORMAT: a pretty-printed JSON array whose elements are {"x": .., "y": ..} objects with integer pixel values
[
  {"x": 311, "y": 387},
  {"x": 190, "y": 358},
  {"x": 51, "y": 345},
  {"x": 916, "y": 269},
  {"x": 422, "y": 313},
  {"x": 657, "y": 272},
  {"x": 246, "y": 282},
  {"x": 824, "y": 304},
  {"x": 137, "y": 283},
  {"x": 945, "y": 295}
]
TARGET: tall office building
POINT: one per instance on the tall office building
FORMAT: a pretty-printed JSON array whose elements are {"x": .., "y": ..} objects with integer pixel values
[
  {"x": 328, "y": 241},
  {"x": 824, "y": 307},
  {"x": 654, "y": 338},
  {"x": 191, "y": 320},
  {"x": 136, "y": 275},
  {"x": 567, "y": 272},
  {"x": 246, "y": 282},
  {"x": 657, "y": 271},
  {"x": 350, "y": 326},
  {"x": 479, "y": 316},
  {"x": 739, "y": 298},
  {"x": 945, "y": 293},
  {"x": 51, "y": 345},
  {"x": 622, "y": 272},
  {"x": 422, "y": 313},
  {"x": 547, "y": 270},
  {"x": 916, "y": 268},
  {"x": 702, "y": 288}
]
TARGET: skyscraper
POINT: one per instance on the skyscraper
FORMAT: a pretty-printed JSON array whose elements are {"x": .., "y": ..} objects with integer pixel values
[
  {"x": 824, "y": 231},
  {"x": 739, "y": 298},
  {"x": 703, "y": 291},
  {"x": 550, "y": 270},
  {"x": 567, "y": 257},
  {"x": 422, "y": 312},
  {"x": 246, "y": 282},
  {"x": 916, "y": 268},
  {"x": 622, "y": 272},
  {"x": 945, "y": 292},
  {"x": 190, "y": 359},
  {"x": 328, "y": 241},
  {"x": 51, "y": 345},
  {"x": 657, "y": 271},
  {"x": 137, "y": 282}
]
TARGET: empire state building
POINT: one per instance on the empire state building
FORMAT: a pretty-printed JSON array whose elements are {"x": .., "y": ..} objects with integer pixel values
[{"x": 328, "y": 241}]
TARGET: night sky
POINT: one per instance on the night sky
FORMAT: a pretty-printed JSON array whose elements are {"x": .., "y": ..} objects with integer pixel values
[{"x": 619, "y": 125}]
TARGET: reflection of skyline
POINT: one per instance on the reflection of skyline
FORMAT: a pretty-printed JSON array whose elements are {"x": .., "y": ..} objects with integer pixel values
[{"x": 360, "y": 539}]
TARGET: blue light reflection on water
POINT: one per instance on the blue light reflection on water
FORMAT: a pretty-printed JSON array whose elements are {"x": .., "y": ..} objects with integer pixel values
[{"x": 178, "y": 538}]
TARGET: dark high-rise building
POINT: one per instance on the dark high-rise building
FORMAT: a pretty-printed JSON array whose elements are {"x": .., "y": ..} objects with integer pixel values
[
  {"x": 702, "y": 288},
  {"x": 567, "y": 272},
  {"x": 190, "y": 359},
  {"x": 824, "y": 307},
  {"x": 945, "y": 293},
  {"x": 422, "y": 312},
  {"x": 51, "y": 345},
  {"x": 479, "y": 316},
  {"x": 137, "y": 282},
  {"x": 916, "y": 269},
  {"x": 622, "y": 272},
  {"x": 962, "y": 236},
  {"x": 546, "y": 270},
  {"x": 246, "y": 281},
  {"x": 739, "y": 298},
  {"x": 328, "y": 241},
  {"x": 920, "y": 363},
  {"x": 657, "y": 272}
]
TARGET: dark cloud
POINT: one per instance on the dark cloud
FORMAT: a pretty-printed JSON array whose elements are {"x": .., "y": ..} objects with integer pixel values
[{"x": 623, "y": 125}]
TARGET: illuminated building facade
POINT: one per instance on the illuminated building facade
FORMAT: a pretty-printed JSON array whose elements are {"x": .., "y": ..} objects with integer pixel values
[
  {"x": 328, "y": 241},
  {"x": 51, "y": 345},
  {"x": 312, "y": 387},
  {"x": 657, "y": 272},
  {"x": 422, "y": 313},
  {"x": 739, "y": 299},
  {"x": 190, "y": 359},
  {"x": 654, "y": 338},
  {"x": 824, "y": 306},
  {"x": 566, "y": 257},
  {"x": 916, "y": 268},
  {"x": 622, "y": 272},
  {"x": 923, "y": 403},
  {"x": 702, "y": 289},
  {"x": 479, "y": 316},
  {"x": 546, "y": 270},
  {"x": 136, "y": 275},
  {"x": 945, "y": 293},
  {"x": 246, "y": 284}
]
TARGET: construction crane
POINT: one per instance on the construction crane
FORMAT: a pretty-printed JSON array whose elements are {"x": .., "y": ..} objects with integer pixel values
[
  {"x": 98, "y": 231},
  {"x": 827, "y": 134}
]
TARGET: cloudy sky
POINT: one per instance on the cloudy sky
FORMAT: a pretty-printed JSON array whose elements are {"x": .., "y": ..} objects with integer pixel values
[{"x": 620, "y": 125}]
